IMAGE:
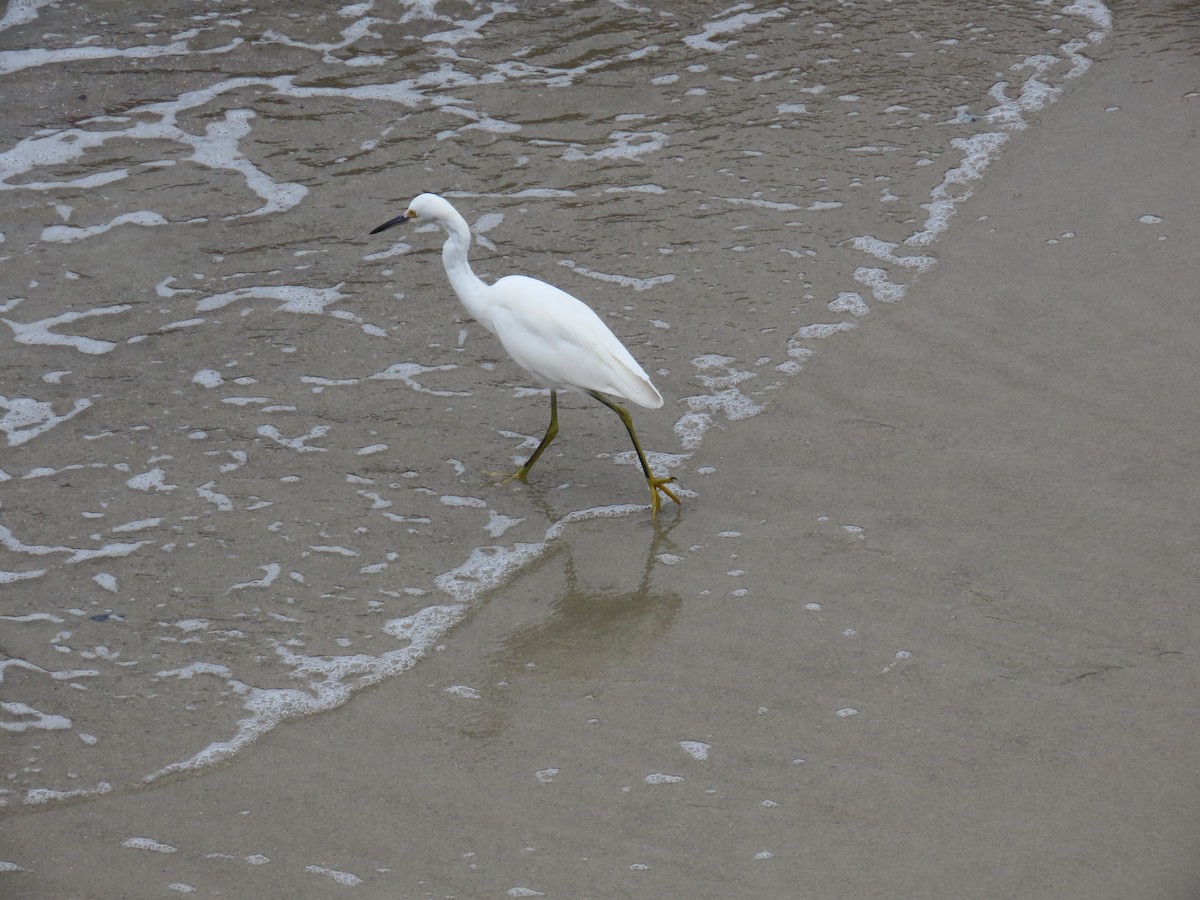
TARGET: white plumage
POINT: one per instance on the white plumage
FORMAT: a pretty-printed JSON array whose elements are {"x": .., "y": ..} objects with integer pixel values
[
  {"x": 562, "y": 343},
  {"x": 556, "y": 338}
]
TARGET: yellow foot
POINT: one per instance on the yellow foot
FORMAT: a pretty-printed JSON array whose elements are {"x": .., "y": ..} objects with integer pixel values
[
  {"x": 505, "y": 478},
  {"x": 656, "y": 485}
]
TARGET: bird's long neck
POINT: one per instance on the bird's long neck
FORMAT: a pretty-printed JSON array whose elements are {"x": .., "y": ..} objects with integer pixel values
[{"x": 467, "y": 285}]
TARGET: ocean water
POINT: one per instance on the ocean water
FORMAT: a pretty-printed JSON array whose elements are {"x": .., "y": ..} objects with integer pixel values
[{"x": 243, "y": 444}]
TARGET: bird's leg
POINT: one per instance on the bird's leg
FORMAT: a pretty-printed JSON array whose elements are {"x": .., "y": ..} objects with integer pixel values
[
  {"x": 656, "y": 484},
  {"x": 551, "y": 431}
]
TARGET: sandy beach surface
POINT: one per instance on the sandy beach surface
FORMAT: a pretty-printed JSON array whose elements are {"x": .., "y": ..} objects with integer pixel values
[{"x": 930, "y": 631}]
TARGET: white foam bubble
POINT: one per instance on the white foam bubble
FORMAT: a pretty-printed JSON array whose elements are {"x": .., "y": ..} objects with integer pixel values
[
  {"x": 153, "y": 480},
  {"x": 732, "y": 24},
  {"x": 145, "y": 843},
  {"x": 31, "y": 718},
  {"x": 137, "y": 525},
  {"x": 453, "y": 500},
  {"x": 849, "y": 302},
  {"x": 294, "y": 298},
  {"x": 882, "y": 287},
  {"x": 690, "y": 429},
  {"x": 7, "y": 577},
  {"x": 38, "y": 796},
  {"x": 761, "y": 203},
  {"x": 663, "y": 778},
  {"x": 68, "y": 234},
  {"x": 272, "y": 571},
  {"x": 25, "y": 418},
  {"x": 334, "y": 549},
  {"x": 208, "y": 378},
  {"x": 625, "y": 145},
  {"x": 821, "y": 330},
  {"x": 218, "y": 148},
  {"x": 299, "y": 444},
  {"x": 978, "y": 152},
  {"x": 711, "y": 361},
  {"x": 347, "y": 879},
  {"x": 108, "y": 551},
  {"x": 246, "y": 401},
  {"x": 180, "y": 324},
  {"x": 16, "y": 545},
  {"x": 728, "y": 378},
  {"x": 614, "y": 511},
  {"x": 191, "y": 624},
  {"x": 485, "y": 569},
  {"x": 22, "y": 12},
  {"x": 1096, "y": 12},
  {"x": 638, "y": 284},
  {"x": 731, "y": 403},
  {"x": 193, "y": 669},
  {"x": 697, "y": 750},
  {"x": 886, "y": 251},
  {"x": 16, "y": 60},
  {"x": 407, "y": 373},
  {"x": 637, "y": 189},
  {"x": 498, "y": 524},
  {"x": 40, "y": 333},
  {"x": 223, "y": 503}
]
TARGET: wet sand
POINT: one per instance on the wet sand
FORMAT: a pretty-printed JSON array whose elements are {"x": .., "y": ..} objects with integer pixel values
[{"x": 962, "y": 662}]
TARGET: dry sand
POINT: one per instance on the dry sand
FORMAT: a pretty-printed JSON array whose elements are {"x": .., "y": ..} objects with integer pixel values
[{"x": 1017, "y": 442}]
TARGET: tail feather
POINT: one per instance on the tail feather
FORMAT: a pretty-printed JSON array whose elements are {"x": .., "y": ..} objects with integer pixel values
[{"x": 633, "y": 384}]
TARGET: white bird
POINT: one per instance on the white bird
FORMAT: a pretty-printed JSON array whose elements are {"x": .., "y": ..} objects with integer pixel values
[{"x": 553, "y": 336}]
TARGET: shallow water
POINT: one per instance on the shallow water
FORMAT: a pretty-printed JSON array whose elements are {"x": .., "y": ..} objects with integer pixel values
[{"x": 244, "y": 446}]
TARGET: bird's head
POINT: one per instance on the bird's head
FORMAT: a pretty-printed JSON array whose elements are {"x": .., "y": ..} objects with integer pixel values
[{"x": 424, "y": 207}]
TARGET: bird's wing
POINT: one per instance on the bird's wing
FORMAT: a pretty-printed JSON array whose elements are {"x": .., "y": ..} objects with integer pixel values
[{"x": 562, "y": 342}]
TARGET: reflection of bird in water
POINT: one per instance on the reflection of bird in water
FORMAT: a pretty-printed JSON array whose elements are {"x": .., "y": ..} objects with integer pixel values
[
  {"x": 599, "y": 610},
  {"x": 553, "y": 336},
  {"x": 596, "y": 623}
]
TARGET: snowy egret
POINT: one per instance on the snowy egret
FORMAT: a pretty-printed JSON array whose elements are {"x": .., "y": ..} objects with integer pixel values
[{"x": 553, "y": 336}]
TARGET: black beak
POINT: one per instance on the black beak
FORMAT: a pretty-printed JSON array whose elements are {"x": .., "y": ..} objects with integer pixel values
[{"x": 403, "y": 217}]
